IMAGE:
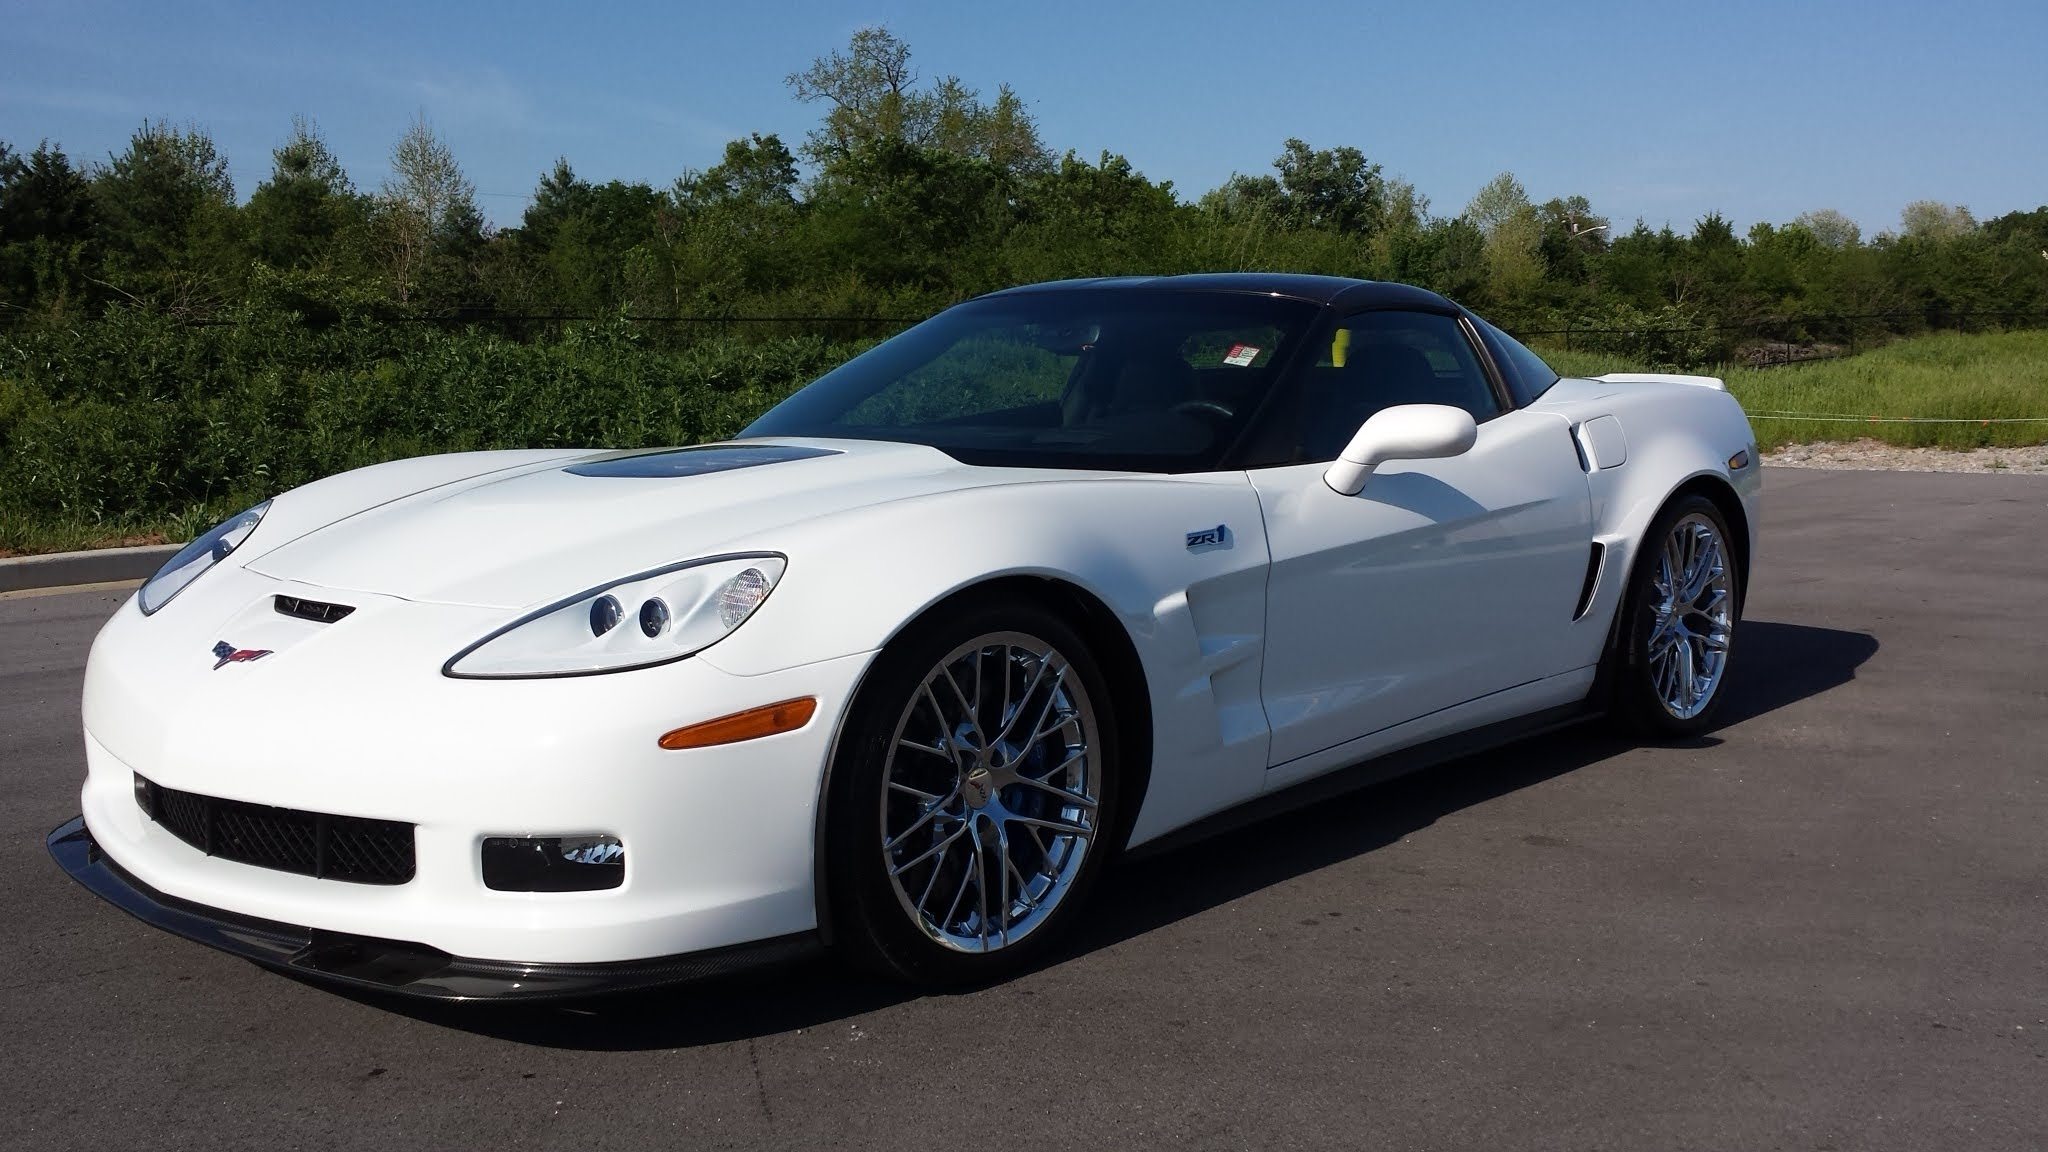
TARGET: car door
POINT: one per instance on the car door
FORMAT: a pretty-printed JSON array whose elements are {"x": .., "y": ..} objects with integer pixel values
[{"x": 1443, "y": 580}]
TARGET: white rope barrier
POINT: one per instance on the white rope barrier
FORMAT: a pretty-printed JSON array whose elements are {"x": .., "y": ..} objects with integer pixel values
[{"x": 1843, "y": 417}]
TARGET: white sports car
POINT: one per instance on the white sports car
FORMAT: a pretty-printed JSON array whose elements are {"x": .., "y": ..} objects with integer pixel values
[{"x": 1065, "y": 570}]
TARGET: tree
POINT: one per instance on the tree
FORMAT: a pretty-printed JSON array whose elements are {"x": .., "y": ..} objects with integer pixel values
[
  {"x": 452, "y": 277},
  {"x": 1934, "y": 220},
  {"x": 295, "y": 217},
  {"x": 1775, "y": 263},
  {"x": 1335, "y": 188},
  {"x": 1007, "y": 135},
  {"x": 425, "y": 201},
  {"x": 758, "y": 172},
  {"x": 1457, "y": 264},
  {"x": 559, "y": 198},
  {"x": 1575, "y": 223},
  {"x": 1083, "y": 219},
  {"x": 1573, "y": 237},
  {"x": 1831, "y": 228},
  {"x": 2028, "y": 229},
  {"x": 726, "y": 232},
  {"x": 1331, "y": 188},
  {"x": 1713, "y": 233},
  {"x": 1709, "y": 265},
  {"x": 1636, "y": 267},
  {"x": 528, "y": 278},
  {"x": 1497, "y": 203},
  {"x": 867, "y": 85},
  {"x": 1401, "y": 248},
  {"x": 1406, "y": 208},
  {"x": 874, "y": 96},
  {"x": 1247, "y": 199},
  {"x": 167, "y": 210},
  {"x": 305, "y": 158},
  {"x": 594, "y": 246},
  {"x": 914, "y": 192},
  {"x": 1514, "y": 238},
  {"x": 893, "y": 212},
  {"x": 47, "y": 230}
]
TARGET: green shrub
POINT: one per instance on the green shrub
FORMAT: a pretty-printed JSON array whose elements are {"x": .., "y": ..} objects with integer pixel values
[{"x": 135, "y": 422}]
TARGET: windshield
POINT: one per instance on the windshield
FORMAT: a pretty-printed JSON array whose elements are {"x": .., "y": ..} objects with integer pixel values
[{"x": 1083, "y": 378}]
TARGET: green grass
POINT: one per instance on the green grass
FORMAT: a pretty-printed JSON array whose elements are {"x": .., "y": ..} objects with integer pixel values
[
  {"x": 1990, "y": 376},
  {"x": 20, "y": 536}
]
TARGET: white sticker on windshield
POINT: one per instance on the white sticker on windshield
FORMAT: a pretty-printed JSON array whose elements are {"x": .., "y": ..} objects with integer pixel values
[{"x": 1241, "y": 355}]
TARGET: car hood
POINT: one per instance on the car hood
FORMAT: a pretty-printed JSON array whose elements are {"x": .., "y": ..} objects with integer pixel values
[{"x": 524, "y": 535}]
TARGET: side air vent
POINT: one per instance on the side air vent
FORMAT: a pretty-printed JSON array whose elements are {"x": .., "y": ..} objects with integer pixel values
[
  {"x": 1594, "y": 563},
  {"x": 314, "y": 610}
]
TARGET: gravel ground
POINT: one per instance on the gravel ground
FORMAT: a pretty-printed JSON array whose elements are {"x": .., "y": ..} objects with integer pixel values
[{"x": 1872, "y": 455}]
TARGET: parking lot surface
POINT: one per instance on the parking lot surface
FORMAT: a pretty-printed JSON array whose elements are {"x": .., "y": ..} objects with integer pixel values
[{"x": 1825, "y": 926}]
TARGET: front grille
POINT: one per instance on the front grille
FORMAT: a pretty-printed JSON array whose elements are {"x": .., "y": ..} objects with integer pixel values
[
  {"x": 309, "y": 843},
  {"x": 315, "y": 610}
]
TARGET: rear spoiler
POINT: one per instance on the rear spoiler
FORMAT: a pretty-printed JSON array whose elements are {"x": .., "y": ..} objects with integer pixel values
[{"x": 1713, "y": 382}]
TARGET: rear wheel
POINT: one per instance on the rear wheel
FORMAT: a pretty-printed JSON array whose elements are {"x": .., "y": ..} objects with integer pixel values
[
  {"x": 972, "y": 795},
  {"x": 1678, "y": 626}
]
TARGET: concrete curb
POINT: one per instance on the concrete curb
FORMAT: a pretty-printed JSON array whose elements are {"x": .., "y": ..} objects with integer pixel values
[{"x": 99, "y": 566}]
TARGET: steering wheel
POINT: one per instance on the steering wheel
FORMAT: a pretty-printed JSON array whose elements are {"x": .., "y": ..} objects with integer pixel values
[{"x": 1207, "y": 407}]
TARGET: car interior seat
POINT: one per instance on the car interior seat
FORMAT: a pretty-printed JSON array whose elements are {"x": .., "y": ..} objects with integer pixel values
[{"x": 1374, "y": 376}]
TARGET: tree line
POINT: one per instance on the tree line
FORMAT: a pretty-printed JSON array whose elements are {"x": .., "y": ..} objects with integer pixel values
[{"x": 909, "y": 195}]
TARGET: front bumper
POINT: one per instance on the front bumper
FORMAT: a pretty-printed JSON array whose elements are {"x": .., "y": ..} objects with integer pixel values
[
  {"x": 392, "y": 965},
  {"x": 354, "y": 719}
]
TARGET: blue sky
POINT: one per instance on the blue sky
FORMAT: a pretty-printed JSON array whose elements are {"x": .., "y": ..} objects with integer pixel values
[{"x": 1663, "y": 111}]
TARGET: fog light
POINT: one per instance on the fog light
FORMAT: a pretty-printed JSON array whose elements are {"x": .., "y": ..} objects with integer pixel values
[{"x": 553, "y": 863}]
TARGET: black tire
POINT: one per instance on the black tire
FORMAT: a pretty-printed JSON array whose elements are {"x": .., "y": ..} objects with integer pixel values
[
  {"x": 1640, "y": 702},
  {"x": 872, "y": 921}
]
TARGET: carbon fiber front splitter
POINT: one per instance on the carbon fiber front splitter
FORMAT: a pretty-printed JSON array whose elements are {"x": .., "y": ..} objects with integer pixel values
[{"x": 392, "y": 965}]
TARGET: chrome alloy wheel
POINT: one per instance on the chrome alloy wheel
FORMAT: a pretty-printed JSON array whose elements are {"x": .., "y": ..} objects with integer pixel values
[
  {"x": 1694, "y": 601},
  {"x": 991, "y": 789}
]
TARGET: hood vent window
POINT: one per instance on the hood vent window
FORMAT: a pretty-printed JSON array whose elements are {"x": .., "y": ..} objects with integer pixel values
[
  {"x": 313, "y": 610},
  {"x": 672, "y": 462}
]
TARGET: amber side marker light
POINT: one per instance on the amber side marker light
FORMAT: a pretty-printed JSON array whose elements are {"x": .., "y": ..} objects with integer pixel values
[{"x": 754, "y": 723}]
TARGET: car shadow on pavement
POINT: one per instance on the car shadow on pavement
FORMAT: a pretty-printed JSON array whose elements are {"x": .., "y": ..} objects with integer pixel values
[
  {"x": 1780, "y": 664},
  {"x": 1785, "y": 663}
]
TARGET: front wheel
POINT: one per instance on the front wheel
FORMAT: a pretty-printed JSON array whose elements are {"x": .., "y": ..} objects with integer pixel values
[
  {"x": 973, "y": 795},
  {"x": 1678, "y": 626}
]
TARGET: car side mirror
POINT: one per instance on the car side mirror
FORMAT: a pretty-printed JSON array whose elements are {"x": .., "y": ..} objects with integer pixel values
[{"x": 1403, "y": 432}]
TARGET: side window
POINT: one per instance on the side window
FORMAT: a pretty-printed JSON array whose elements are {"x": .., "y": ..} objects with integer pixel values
[
  {"x": 1377, "y": 360},
  {"x": 1528, "y": 376}
]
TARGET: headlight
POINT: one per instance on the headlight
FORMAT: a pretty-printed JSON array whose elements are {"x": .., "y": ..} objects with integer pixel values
[
  {"x": 651, "y": 618},
  {"x": 195, "y": 558}
]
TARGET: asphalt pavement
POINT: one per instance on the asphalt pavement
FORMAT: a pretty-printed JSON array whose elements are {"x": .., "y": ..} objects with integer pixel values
[{"x": 1824, "y": 926}]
